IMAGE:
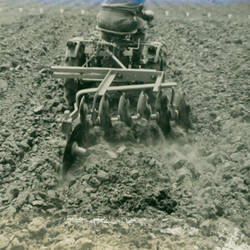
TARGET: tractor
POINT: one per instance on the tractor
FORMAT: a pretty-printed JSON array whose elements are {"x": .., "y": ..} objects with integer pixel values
[{"x": 116, "y": 77}]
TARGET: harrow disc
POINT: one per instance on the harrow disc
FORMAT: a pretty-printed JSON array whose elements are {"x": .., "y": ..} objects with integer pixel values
[
  {"x": 184, "y": 110},
  {"x": 75, "y": 143},
  {"x": 163, "y": 113},
  {"x": 104, "y": 115},
  {"x": 143, "y": 107},
  {"x": 123, "y": 110}
]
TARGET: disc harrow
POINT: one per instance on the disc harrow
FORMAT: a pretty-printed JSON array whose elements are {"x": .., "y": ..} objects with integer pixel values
[
  {"x": 130, "y": 90},
  {"x": 97, "y": 112},
  {"x": 143, "y": 80}
]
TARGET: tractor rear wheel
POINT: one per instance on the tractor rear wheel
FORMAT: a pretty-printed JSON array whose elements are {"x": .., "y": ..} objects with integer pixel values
[{"x": 71, "y": 86}]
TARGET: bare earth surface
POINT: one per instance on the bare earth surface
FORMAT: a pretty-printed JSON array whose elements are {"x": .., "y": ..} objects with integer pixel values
[{"x": 188, "y": 191}]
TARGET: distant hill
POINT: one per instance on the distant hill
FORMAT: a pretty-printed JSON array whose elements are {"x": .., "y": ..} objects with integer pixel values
[{"x": 153, "y": 2}]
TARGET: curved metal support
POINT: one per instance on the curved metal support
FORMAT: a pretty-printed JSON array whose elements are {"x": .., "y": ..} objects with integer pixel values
[
  {"x": 73, "y": 115},
  {"x": 67, "y": 124}
]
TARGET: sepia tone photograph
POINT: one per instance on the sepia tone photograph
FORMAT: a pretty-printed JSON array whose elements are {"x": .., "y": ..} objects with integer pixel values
[{"x": 125, "y": 124}]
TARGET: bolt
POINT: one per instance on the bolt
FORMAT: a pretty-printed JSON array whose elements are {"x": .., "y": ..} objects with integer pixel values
[
  {"x": 119, "y": 75},
  {"x": 153, "y": 77}
]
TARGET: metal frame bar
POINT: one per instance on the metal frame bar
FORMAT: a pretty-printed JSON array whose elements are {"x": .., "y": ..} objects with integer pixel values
[
  {"x": 105, "y": 43},
  {"x": 98, "y": 74},
  {"x": 76, "y": 69},
  {"x": 116, "y": 59},
  {"x": 106, "y": 82},
  {"x": 158, "y": 82}
]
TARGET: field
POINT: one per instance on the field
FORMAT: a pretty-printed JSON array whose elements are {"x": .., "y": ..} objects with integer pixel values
[{"x": 188, "y": 191}]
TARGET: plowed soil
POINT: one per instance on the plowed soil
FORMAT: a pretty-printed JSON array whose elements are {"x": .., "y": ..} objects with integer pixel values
[{"x": 187, "y": 191}]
